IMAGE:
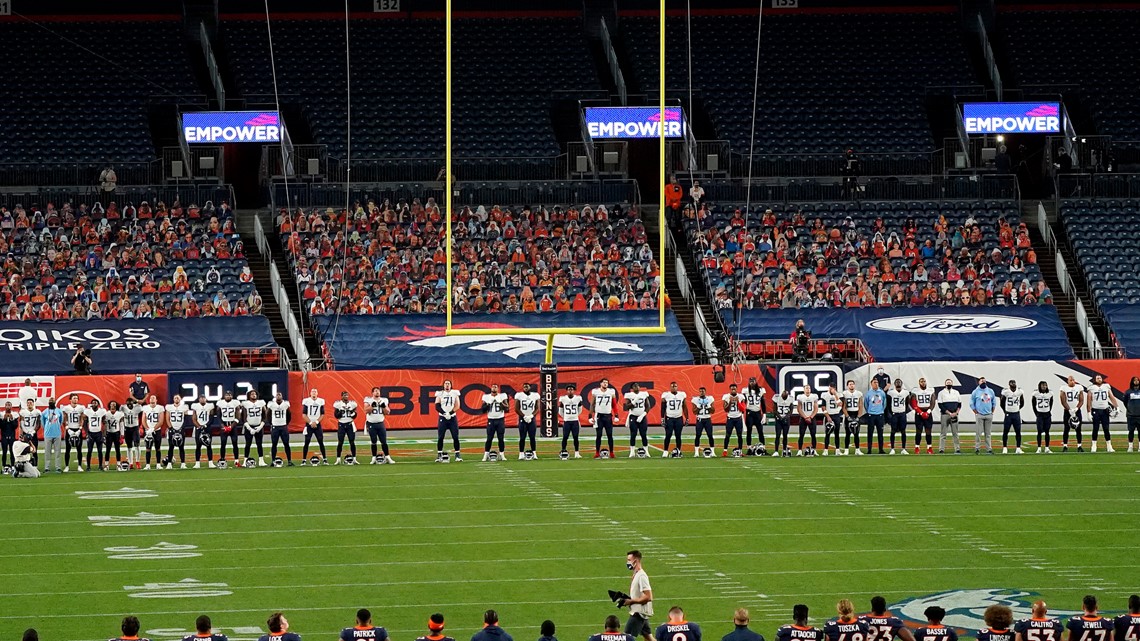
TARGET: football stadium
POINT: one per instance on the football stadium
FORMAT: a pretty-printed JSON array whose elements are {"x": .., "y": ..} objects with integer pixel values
[{"x": 590, "y": 320}]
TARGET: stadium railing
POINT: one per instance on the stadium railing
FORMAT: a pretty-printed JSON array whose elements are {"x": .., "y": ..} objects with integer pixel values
[
  {"x": 284, "y": 306},
  {"x": 1106, "y": 185},
  {"x": 891, "y": 163},
  {"x": 470, "y": 192},
  {"x": 90, "y": 194},
  {"x": 834, "y": 188},
  {"x": 689, "y": 298},
  {"x": 86, "y": 173}
]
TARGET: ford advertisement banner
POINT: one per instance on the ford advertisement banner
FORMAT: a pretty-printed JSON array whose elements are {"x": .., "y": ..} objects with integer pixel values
[
  {"x": 126, "y": 346},
  {"x": 1012, "y": 117},
  {"x": 922, "y": 333},
  {"x": 216, "y": 127},
  {"x": 633, "y": 122}
]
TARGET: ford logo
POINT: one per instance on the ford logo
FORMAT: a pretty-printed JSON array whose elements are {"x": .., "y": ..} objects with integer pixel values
[{"x": 951, "y": 323}]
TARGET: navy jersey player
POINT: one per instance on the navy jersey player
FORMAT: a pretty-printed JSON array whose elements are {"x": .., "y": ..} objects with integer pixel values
[
  {"x": 1128, "y": 625},
  {"x": 934, "y": 630},
  {"x": 882, "y": 625},
  {"x": 999, "y": 622},
  {"x": 677, "y": 628},
  {"x": 1090, "y": 626},
  {"x": 204, "y": 631},
  {"x": 130, "y": 628},
  {"x": 799, "y": 630},
  {"x": 847, "y": 627},
  {"x": 613, "y": 631},
  {"x": 1039, "y": 627},
  {"x": 363, "y": 630},
  {"x": 435, "y": 629},
  {"x": 279, "y": 629}
]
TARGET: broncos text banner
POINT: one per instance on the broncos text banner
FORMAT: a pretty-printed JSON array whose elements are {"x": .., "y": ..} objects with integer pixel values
[{"x": 410, "y": 393}]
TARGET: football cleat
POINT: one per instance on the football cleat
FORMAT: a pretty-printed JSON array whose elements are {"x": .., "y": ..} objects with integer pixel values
[
  {"x": 1108, "y": 448},
  {"x": 1018, "y": 451},
  {"x": 388, "y": 460},
  {"x": 278, "y": 462},
  {"x": 1005, "y": 450},
  {"x": 9, "y": 470},
  {"x": 458, "y": 457},
  {"x": 577, "y": 454}
]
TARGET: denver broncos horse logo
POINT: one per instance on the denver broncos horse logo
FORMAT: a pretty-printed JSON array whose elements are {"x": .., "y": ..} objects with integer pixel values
[{"x": 512, "y": 345}]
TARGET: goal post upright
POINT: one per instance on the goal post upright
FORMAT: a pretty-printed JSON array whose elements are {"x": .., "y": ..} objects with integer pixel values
[{"x": 449, "y": 195}]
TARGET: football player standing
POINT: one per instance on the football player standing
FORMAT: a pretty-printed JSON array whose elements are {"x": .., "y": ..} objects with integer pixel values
[
  {"x": 674, "y": 415},
  {"x": 677, "y": 628},
  {"x": 1090, "y": 626},
  {"x": 176, "y": 414},
  {"x": 601, "y": 407},
  {"x": 755, "y": 406},
  {"x": 447, "y": 405},
  {"x": 279, "y": 417},
  {"x": 496, "y": 404},
  {"x": 569, "y": 410},
  {"x": 314, "y": 409},
  {"x": 345, "y": 411},
  {"x": 637, "y": 404},
  {"x": 152, "y": 417},
  {"x": 734, "y": 406},
  {"x": 922, "y": 400},
  {"x": 201, "y": 413},
  {"x": 376, "y": 408},
  {"x": 254, "y": 410},
  {"x": 363, "y": 630},
  {"x": 526, "y": 407},
  {"x": 1101, "y": 402},
  {"x": 229, "y": 411},
  {"x": 703, "y": 409}
]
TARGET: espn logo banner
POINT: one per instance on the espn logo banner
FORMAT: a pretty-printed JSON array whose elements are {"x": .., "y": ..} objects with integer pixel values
[{"x": 44, "y": 386}]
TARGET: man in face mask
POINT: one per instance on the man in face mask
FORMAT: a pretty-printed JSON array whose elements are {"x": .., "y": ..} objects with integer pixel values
[
  {"x": 139, "y": 390},
  {"x": 1132, "y": 409},
  {"x": 949, "y": 404},
  {"x": 640, "y": 602}
]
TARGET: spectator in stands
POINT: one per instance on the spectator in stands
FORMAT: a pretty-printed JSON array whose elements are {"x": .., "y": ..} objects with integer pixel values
[
  {"x": 697, "y": 193},
  {"x": 81, "y": 360},
  {"x": 673, "y": 194},
  {"x": 108, "y": 180}
]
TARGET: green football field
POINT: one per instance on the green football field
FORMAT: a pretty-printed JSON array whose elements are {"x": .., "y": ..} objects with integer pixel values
[{"x": 546, "y": 539}]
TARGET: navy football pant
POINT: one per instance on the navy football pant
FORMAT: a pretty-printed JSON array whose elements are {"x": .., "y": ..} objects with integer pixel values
[
  {"x": 807, "y": 425},
  {"x": 568, "y": 428},
  {"x": 495, "y": 428},
  {"x": 673, "y": 430},
  {"x": 734, "y": 425},
  {"x": 1100, "y": 420},
  {"x": 603, "y": 423},
  {"x": 754, "y": 419},
  {"x": 378, "y": 432},
  {"x": 1044, "y": 424},
  {"x": 1011, "y": 421},
  {"x": 704, "y": 426},
  {"x": 527, "y": 430},
  {"x": 447, "y": 425},
  {"x": 898, "y": 426},
  {"x": 874, "y": 426}
]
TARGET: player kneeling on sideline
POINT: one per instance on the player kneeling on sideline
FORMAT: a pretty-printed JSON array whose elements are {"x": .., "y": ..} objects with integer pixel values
[
  {"x": 934, "y": 630},
  {"x": 345, "y": 411},
  {"x": 677, "y": 628},
  {"x": 435, "y": 629},
  {"x": 1101, "y": 403},
  {"x": 204, "y": 629},
  {"x": 741, "y": 633},
  {"x": 279, "y": 417},
  {"x": 23, "y": 467},
  {"x": 1040, "y": 627},
  {"x": 201, "y": 414},
  {"x": 601, "y": 407},
  {"x": 376, "y": 408},
  {"x": 734, "y": 404},
  {"x": 491, "y": 630},
  {"x": 613, "y": 631},
  {"x": 884, "y": 625},
  {"x": 176, "y": 414},
  {"x": 526, "y": 407},
  {"x": 569, "y": 410},
  {"x": 674, "y": 415},
  {"x": 279, "y": 629},
  {"x": 847, "y": 626},
  {"x": 496, "y": 405},
  {"x": 447, "y": 405},
  {"x": 1090, "y": 626},
  {"x": 314, "y": 408},
  {"x": 254, "y": 410},
  {"x": 799, "y": 630},
  {"x": 999, "y": 622},
  {"x": 130, "y": 628},
  {"x": 703, "y": 408},
  {"x": 363, "y": 629}
]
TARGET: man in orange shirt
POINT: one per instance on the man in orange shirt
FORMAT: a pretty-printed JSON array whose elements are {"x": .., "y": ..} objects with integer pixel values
[{"x": 673, "y": 194}]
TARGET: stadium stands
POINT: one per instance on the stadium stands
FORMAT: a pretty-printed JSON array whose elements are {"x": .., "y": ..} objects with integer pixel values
[
  {"x": 860, "y": 86},
  {"x": 885, "y": 254},
  {"x": 1104, "y": 240},
  {"x": 509, "y": 260},
  {"x": 84, "y": 89},
  {"x": 1095, "y": 43},
  {"x": 153, "y": 260},
  {"x": 512, "y": 54}
]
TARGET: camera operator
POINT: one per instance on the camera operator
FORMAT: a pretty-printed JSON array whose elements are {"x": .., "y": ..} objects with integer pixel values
[
  {"x": 81, "y": 360},
  {"x": 800, "y": 338}
]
